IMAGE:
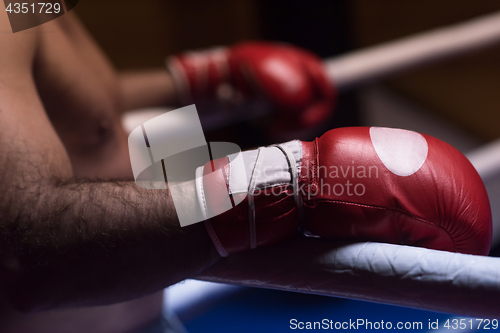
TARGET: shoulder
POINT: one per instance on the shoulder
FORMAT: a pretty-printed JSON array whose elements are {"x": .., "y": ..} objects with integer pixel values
[{"x": 18, "y": 49}]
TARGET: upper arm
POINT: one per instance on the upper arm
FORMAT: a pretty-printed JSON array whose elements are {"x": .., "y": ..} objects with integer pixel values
[{"x": 30, "y": 150}]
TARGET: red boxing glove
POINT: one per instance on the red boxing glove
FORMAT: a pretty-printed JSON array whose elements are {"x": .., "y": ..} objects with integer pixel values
[
  {"x": 291, "y": 79},
  {"x": 354, "y": 184}
]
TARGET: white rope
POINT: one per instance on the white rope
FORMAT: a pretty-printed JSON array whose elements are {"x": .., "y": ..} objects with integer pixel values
[{"x": 358, "y": 67}]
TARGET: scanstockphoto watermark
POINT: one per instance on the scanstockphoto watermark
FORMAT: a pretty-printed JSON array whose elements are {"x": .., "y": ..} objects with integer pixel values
[
  {"x": 27, "y": 14},
  {"x": 333, "y": 180},
  {"x": 171, "y": 148},
  {"x": 453, "y": 324},
  {"x": 356, "y": 324}
]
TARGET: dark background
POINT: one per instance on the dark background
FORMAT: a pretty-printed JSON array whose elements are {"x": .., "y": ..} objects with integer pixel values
[{"x": 139, "y": 34}]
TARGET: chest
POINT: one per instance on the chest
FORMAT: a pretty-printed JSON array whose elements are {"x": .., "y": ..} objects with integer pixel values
[{"x": 78, "y": 88}]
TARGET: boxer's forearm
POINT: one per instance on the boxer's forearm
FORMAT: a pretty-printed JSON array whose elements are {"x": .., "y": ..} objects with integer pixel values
[
  {"x": 76, "y": 244},
  {"x": 147, "y": 88}
]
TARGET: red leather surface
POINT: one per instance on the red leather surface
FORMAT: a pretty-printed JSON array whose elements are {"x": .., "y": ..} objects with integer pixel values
[
  {"x": 442, "y": 206},
  {"x": 203, "y": 72},
  {"x": 291, "y": 79}
]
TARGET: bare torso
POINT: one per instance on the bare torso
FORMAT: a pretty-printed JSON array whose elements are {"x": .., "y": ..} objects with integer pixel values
[{"x": 79, "y": 90}]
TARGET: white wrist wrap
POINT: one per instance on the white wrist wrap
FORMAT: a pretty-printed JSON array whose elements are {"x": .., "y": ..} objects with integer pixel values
[{"x": 255, "y": 170}]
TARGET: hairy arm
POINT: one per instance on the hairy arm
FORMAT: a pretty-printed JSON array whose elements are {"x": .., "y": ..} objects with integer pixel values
[{"x": 68, "y": 242}]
